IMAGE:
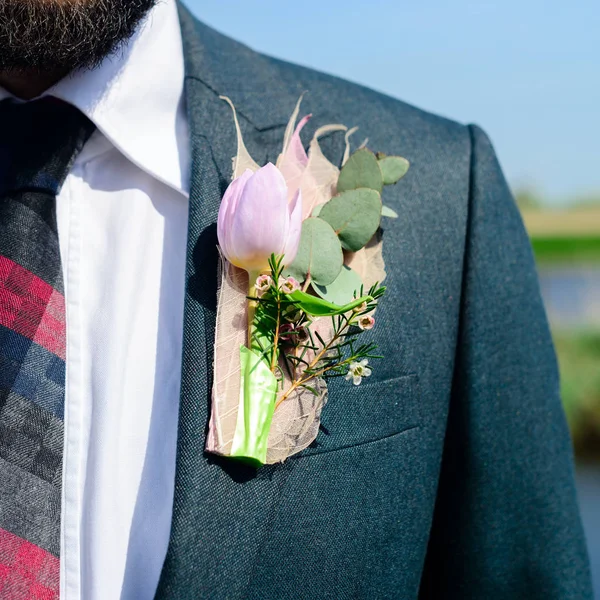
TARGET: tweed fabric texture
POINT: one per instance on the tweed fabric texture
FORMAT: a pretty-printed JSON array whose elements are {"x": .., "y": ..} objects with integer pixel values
[
  {"x": 26, "y": 571},
  {"x": 39, "y": 141},
  {"x": 449, "y": 474}
]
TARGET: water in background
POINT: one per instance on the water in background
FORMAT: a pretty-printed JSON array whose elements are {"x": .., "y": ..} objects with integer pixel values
[{"x": 572, "y": 295}]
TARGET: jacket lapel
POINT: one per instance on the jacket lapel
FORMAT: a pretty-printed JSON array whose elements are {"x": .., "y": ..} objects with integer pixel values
[{"x": 221, "y": 510}]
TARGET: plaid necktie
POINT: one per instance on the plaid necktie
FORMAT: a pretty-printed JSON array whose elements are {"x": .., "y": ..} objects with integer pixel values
[{"x": 39, "y": 141}]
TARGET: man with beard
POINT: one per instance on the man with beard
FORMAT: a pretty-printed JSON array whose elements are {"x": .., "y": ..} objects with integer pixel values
[{"x": 455, "y": 481}]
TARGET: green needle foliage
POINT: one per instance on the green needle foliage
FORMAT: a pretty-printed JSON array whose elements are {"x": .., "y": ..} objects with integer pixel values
[{"x": 282, "y": 329}]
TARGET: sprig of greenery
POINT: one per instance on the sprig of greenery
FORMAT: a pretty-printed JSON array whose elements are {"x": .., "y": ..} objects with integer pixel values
[
  {"x": 305, "y": 354},
  {"x": 332, "y": 358}
]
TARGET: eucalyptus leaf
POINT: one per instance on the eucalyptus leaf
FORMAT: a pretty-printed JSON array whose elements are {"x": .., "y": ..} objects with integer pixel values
[
  {"x": 355, "y": 216},
  {"x": 317, "y": 210},
  {"x": 361, "y": 171},
  {"x": 393, "y": 168},
  {"x": 319, "y": 253},
  {"x": 317, "y": 307},
  {"x": 386, "y": 211},
  {"x": 342, "y": 290}
]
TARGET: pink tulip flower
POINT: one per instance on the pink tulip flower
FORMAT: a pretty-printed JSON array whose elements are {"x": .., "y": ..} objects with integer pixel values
[{"x": 256, "y": 220}]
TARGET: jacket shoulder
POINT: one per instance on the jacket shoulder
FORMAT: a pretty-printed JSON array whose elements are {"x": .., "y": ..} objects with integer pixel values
[
  {"x": 265, "y": 90},
  {"x": 353, "y": 98},
  {"x": 264, "y": 84},
  {"x": 438, "y": 148}
]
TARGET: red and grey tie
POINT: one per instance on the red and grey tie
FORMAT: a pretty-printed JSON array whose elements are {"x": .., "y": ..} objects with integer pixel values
[{"x": 39, "y": 141}]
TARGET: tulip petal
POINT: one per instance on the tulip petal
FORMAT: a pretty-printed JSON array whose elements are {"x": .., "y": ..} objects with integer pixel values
[
  {"x": 292, "y": 163},
  {"x": 295, "y": 229},
  {"x": 226, "y": 210},
  {"x": 261, "y": 220},
  {"x": 296, "y": 150}
]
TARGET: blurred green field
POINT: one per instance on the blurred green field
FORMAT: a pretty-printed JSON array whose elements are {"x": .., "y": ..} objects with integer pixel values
[
  {"x": 566, "y": 250},
  {"x": 565, "y": 236}
]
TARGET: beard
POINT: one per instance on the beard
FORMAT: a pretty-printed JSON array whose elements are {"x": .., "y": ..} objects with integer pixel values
[{"x": 59, "y": 36}]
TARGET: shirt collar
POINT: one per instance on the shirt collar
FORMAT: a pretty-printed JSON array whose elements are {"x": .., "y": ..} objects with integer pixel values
[{"x": 135, "y": 98}]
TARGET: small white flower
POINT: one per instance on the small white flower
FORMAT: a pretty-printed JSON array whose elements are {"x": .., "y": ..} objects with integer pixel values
[
  {"x": 263, "y": 284},
  {"x": 366, "y": 322},
  {"x": 361, "y": 307},
  {"x": 357, "y": 370},
  {"x": 289, "y": 286}
]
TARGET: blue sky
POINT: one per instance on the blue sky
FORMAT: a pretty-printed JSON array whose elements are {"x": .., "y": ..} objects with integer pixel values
[{"x": 527, "y": 71}]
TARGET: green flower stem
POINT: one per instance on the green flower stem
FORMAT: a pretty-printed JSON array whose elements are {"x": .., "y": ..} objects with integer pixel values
[
  {"x": 275, "y": 352},
  {"x": 258, "y": 388},
  {"x": 252, "y": 277},
  {"x": 258, "y": 391}
]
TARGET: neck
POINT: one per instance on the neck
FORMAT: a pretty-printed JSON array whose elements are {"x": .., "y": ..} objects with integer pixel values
[{"x": 28, "y": 85}]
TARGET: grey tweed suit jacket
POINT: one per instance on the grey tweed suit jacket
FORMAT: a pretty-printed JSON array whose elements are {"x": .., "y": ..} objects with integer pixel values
[{"x": 449, "y": 474}]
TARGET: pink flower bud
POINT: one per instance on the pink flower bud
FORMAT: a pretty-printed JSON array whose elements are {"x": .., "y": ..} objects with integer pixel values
[
  {"x": 289, "y": 286},
  {"x": 290, "y": 333},
  {"x": 256, "y": 220},
  {"x": 263, "y": 284},
  {"x": 286, "y": 332}
]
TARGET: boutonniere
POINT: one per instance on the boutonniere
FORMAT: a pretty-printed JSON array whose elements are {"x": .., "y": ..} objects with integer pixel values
[{"x": 301, "y": 268}]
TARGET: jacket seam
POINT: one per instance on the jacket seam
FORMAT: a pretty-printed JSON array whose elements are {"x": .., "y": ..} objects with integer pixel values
[{"x": 359, "y": 445}]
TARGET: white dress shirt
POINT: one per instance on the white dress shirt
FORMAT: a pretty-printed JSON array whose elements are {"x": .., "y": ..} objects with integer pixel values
[{"x": 122, "y": 223}]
